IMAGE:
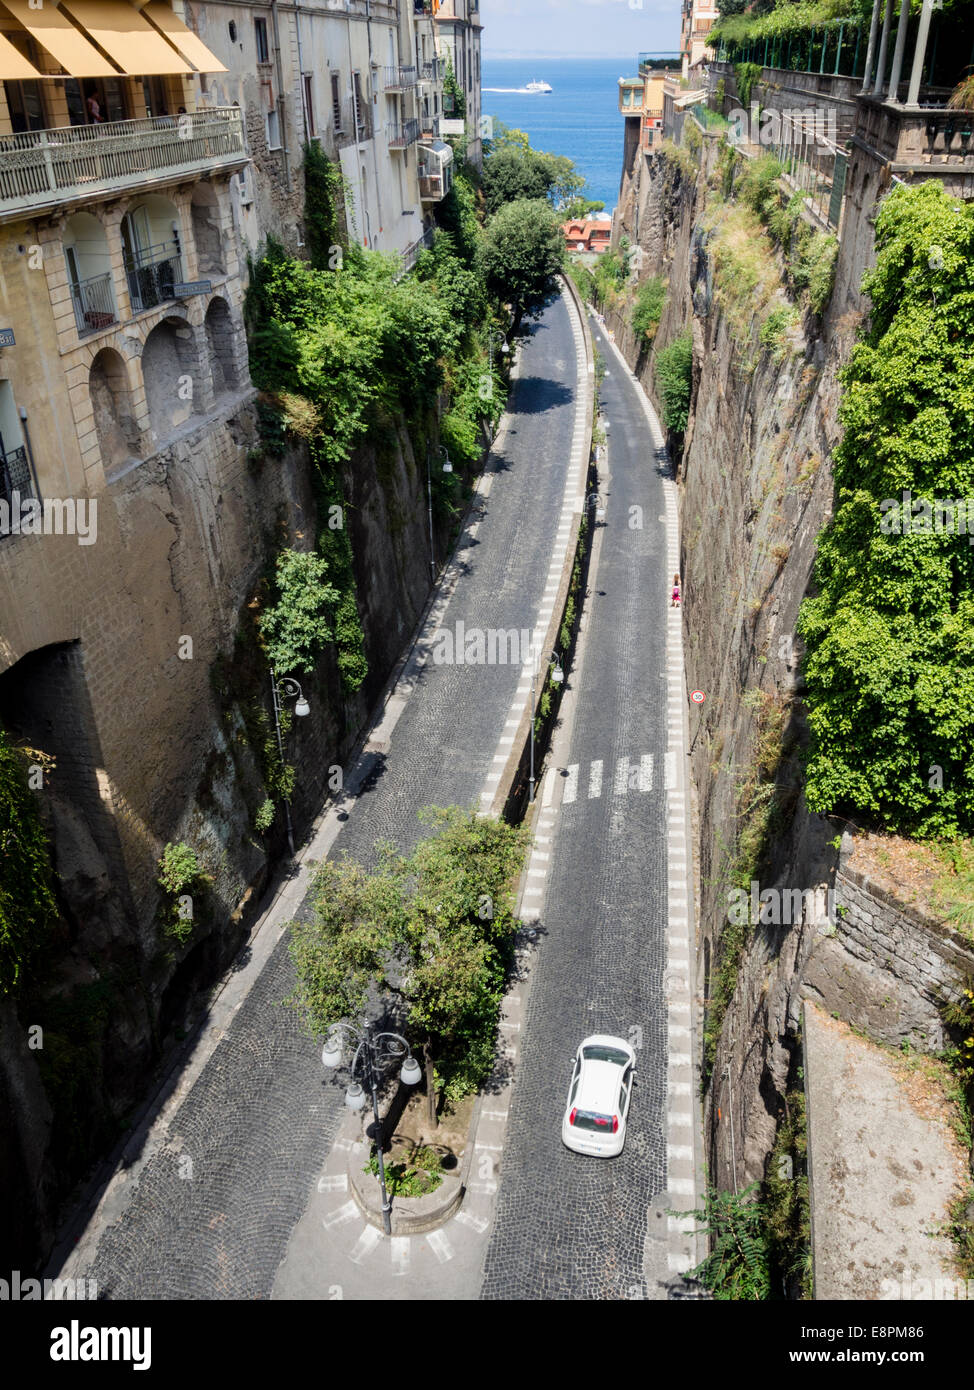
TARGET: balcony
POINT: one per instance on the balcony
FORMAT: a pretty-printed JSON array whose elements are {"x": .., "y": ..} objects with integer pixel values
[
  {"x": 401, "y": 134},
  {"x": 152, "y": 274},
  {"x": 46, "y": 169},
  {"x": 94, "y": 304},
  {"x": 435, "y": 172},
  {"x": 432, "y": 71},
  {"x": 15, "y": 475},
  {"x": 398, "y": 79},
  {"x": 631, "y": 93},
  {"x": 660, "y": 62}
]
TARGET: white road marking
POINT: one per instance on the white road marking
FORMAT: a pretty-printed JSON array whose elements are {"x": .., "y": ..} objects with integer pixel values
[
  {"x": 365, "y": 1244},
  {"x": 595, "y": 779},
  {"x": 336, "y": 1183},
  {"x": 348, "y": 1212},
  {"x": 571, "y": 784},
  {"x": 400, "y": 1254},
  {"x": 646, "y": 772},
  {"x": 440, "y": 1246},
  {"x": 476, "y": 1223},
  {"x": 622, "y": 777}
]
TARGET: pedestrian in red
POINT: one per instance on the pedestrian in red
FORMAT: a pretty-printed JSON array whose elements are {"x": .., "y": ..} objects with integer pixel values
[{"x": 675, "y": 598}]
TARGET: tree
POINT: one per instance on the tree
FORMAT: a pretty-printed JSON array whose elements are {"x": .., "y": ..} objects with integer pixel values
[
  {"x": 524, "y": 250},
  {"x": 579, "y": 208},
  {"x": 434, "y": 928},
  {"x": 510, "y": 176},
  {"x": 454, "y": 102}
]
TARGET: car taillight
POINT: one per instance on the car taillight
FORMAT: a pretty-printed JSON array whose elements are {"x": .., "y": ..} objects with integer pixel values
[
  {"x": 615, "y": 1124},
  {"x": 571, "y": 1118}
]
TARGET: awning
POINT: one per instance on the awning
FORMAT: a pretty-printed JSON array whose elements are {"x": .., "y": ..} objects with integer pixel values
[
  {"x": 55, "y": 33},
  {"x": 127, "y": 38},
  {"x": 190, "y": 45},
  {"x": 14, "y": 67}
]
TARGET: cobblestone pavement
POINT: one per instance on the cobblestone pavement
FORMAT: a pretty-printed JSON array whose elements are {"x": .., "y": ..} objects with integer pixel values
[
  {"x": 209, "y": 1212},
  {"x": 569, "y": 1226}
]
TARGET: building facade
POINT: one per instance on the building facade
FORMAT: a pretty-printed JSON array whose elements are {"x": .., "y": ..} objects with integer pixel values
[
  {"x": 458, "y": 31},
  {"x": 697, "y": 18}
]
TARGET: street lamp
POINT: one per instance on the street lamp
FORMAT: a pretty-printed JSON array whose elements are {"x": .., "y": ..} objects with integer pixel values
[
  {"x": 372, "y": 1049},
  {"x": 557, "y": 676},
  {"x": 594, "y": 500},
  {"x": 287, "y": 688},
  {"x": 447, "y": 468}
]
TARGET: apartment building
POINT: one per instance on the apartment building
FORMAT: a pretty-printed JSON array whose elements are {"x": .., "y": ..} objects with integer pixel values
[
  {"x": 458, "y": 37},
  {"x": 641, "y": 99},
  {"x": 697, "y": 18}
]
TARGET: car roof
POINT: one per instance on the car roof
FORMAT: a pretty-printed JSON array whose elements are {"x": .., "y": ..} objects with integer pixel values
[
  {"x": 607, "y": 1040},
  {"x": 599, "y": 1087}
]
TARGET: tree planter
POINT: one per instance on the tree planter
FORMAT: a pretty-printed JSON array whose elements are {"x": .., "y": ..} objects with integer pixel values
[{"x": 410, "y": 1215}]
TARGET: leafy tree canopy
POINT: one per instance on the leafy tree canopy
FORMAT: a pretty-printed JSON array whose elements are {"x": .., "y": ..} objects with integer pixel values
[{"x": 523, "y": 252}]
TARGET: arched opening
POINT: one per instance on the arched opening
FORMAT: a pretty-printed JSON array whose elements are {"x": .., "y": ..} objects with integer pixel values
[
  {"x": 151, "y": 252},
  {"x": 171, "y": 373},
  {"x": 205, "y": 212},
  {"x": 118, "y": 434},
  {"x": 89, "y": 267},
  {"x": 219, "y": 340}
]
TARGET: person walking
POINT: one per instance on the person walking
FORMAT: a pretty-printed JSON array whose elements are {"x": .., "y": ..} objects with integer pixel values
[
  {"x": 675, "y": 596},
  {"x": 94, "y": 110}
]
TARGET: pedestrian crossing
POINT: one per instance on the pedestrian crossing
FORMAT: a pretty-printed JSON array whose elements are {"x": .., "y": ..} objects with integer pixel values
[{"x": 629, "y": 775}]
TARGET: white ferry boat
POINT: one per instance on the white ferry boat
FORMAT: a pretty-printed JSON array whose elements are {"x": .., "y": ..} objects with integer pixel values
[{"x": 539, "y": 87}]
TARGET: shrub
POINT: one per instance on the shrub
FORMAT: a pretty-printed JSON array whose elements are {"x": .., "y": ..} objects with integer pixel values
[
  {"x": 296, "y": 627},
  {"x": 673, "y": 367},
  {"x": 648, "y": 308}
]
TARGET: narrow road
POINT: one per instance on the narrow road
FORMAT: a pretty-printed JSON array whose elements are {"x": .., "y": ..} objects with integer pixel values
[
  {"x": 209, "y": 1211},
  {"x": 570, "y": 1226}
]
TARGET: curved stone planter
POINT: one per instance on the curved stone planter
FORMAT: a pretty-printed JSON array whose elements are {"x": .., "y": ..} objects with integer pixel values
[{"x": 410, "y": 1215}]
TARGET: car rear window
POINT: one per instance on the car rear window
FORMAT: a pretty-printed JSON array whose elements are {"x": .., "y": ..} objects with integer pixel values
[
  {"x": 605, "y": 1054},
  {"x": 590, "y": 1119}
]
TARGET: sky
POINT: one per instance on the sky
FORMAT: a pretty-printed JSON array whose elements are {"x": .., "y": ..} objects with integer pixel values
[{"x": 579, "y": 28}]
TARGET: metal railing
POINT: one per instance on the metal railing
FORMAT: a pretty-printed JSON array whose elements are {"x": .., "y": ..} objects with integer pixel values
[
  {"x": 399, "y": 79},
  {"x": 15, "y": 475},
  {"x": 401, "y": 134},
  {"x": 94, "y": 304},
  {"x": 411, "y": 253},
  {"x": 431, "y": 188},
  {"x": 39, "y": 168},
  {"x": 432, "y": 72},
  {"x": 151, "y": 275}
]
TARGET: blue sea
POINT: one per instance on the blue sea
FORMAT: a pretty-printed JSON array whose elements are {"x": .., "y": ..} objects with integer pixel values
[{"x": 580, "y": 117}]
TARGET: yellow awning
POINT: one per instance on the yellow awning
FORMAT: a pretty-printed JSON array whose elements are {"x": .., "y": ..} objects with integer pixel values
[
  {"x": 55, "y": 32},
  {"x": 14, "y": 67},
  {"x": 190, "y": 45},
  {"x": 127, "y": 38}
]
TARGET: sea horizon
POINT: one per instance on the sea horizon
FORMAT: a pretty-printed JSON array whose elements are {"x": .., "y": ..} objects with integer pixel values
[{"x": 578, "y": 118}]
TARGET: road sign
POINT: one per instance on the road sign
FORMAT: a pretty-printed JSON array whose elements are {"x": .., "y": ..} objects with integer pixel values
[
  {"x": 7, "y": 338},
  {"x": 184, "y": 288},
  {"x": 697, "y": 696}
]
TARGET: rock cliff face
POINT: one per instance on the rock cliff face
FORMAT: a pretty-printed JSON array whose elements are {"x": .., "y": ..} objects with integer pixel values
[
  {"x": 172, "y": 753},
  {"x": 756, "y": 490}
]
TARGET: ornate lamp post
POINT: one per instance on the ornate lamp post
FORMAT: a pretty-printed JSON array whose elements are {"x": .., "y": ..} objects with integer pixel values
[
  {"x": 371, "y": 1051},
  {"x": 557, "y": 676},
  {"x": 287, "y": 688}
]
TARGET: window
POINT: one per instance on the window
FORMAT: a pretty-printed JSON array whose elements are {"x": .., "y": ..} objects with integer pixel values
[
  {"x": 309, "y": 104},
  {"x": 273, "y": 129},
  {"x": 233, "y": 31},
  {"x": 357, "y": 103},
  {"x": 260, "y": 34},
  {"x": 336, "y": 100}
]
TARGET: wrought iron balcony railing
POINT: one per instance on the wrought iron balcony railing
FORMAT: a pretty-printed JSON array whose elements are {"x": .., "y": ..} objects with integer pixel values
[
  {"x": 401, "y": 134},
  {"x": 45, "y": 168},
  {"x": 399, "y": 79},
  {"x": 151, "y": 276},
  {"x": 15, "y": 475},
  {"x": 94, "y": 304}
]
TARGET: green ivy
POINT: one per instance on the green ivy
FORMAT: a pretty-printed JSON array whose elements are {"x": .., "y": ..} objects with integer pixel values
[
  {"x": 648, "y": 308},
  {"x": 745, "y": 75},
  {"x": 322, "y": 182},
  {"x": 27, "y": 904},
  {"x": 890, "y": 633},
  {"x": 296, "y": 627}
]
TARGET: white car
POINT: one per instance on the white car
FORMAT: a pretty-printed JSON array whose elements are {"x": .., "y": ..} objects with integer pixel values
[{"x": 599, "y": 1095}]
